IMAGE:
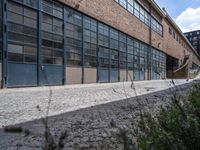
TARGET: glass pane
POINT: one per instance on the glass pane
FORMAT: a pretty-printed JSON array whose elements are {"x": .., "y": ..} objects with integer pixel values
[
  {"x": 15, "y": 18},
  {"x": 15, "y": 48},
  {"x": 30, "y": 50},
  {"x": 32, "y": 3}
]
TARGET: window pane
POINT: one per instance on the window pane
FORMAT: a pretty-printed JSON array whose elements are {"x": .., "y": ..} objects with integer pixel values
[
  {"x": 15, "y": 57},
  {"x": 30, "y": 22},
  {"x": 123, "y": 3},
  {"x": 15, "y": 48},
  {"x": 30, "y": 13},
  {"x": 15, "y": 18},
  {"x": 32, "y": 3},
  {"x": 30, "y": 50},
  {"x": 30, "y": 58}
]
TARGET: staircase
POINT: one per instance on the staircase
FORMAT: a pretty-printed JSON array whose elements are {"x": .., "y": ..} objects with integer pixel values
[{"x": 183, "y": 70}]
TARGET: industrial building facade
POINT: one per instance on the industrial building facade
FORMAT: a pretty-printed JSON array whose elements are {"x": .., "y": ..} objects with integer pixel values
[{"x": 51, "y": 42}]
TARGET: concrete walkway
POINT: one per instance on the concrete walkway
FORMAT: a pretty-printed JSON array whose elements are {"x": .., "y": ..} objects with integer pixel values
[{"x": 25, "y": 104}]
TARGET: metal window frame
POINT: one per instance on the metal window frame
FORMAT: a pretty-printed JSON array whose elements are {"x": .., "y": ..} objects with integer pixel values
[
  {"x": 111, "y": 49},
  {"x": 4, "y": 50},
  {"x": 39, "y": 47},
  {"x": 139, "y": 14},
  {"x": 90, "y": 42}
]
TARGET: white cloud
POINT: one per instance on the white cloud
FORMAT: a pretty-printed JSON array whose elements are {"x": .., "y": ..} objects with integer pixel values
[{"x": 189, "y": 20}]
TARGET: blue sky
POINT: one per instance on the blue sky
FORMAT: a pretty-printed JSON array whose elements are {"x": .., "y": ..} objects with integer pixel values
[{"x": 185, "y": 12}]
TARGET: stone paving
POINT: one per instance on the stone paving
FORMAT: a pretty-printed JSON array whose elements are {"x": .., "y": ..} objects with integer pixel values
[{"x": 25, "y": 104}]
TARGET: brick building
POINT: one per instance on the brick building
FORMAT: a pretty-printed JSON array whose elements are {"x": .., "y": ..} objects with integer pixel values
[{"x": 55, "y": 42}]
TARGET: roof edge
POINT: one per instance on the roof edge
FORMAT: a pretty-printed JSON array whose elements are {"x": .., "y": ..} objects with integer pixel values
[{"x": 165, "y": 15}]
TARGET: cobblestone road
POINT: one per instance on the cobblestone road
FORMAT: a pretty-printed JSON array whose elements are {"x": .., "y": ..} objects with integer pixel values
[
  {"x": 20, "y": 105},
  {"x": 94, "y": 128}
]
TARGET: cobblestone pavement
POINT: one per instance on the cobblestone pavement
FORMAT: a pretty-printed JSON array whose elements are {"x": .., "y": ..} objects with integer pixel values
[
  {"x": 21, "y": 105},
  {"x": 100, "y": 127}
]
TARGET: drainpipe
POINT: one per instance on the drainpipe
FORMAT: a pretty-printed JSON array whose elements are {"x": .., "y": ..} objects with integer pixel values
[{"x": 150, "y": 45}]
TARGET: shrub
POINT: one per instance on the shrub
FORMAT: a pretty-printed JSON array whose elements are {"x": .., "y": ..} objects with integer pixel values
[{"x": 176, "y": 127}]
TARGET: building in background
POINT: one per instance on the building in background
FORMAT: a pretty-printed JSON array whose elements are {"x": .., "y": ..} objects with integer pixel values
[
  {"x": 57, "y": 42},
  {"x": 194, "y": 38}
]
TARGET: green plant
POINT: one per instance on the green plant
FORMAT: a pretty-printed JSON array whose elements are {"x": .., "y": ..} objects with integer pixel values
[{"x": 176, "y": 127}]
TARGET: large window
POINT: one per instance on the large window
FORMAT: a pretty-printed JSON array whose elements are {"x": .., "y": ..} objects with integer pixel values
[
  {"x": 22, "y": 33},
  {"x": 73, "y": 37},
  {"x": 114, "y": 55},
  {"x": 103, "y": 53},
  {"x": 158, "y": 65},
  {"x": 156, "y": 26},
  {"x": 90, "y": 42},
  {"x": 114, "y": 48},
  {"x": 130, "y": 53},
  {"x": 163, "y": 64},
  {"x": 52, "y": 32},
  {"x": 122, "y": 50},
  {"x": 103, "y": 37},
  {"x": 138, "y": 11},
  {"x": 147, "y": 18},
  {"x": 103, "y": 42},
  {"x": 143, "y": 60},
  {"x": 136, "y": 60}
]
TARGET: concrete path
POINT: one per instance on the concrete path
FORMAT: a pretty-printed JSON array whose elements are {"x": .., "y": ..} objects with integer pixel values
[{"x": 25, "y": 104}]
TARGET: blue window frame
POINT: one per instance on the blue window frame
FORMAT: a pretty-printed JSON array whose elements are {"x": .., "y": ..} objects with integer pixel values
[
  {"x": 52, "y": 33},
  {"x": 158, "y": 64},
  {"x": 122, "y": 50},
  {"x": 90, "y": 42},
  {"x": 114, "y": 55},
  {"x": 136, "y": 60},
  {"x": 22, "y": 33},
  {"x": 130, "y": 52},
  {"x": 141, "y": 13},
  {"x": 74, "y": 31},
  {"x": 143, "y": 60}
]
